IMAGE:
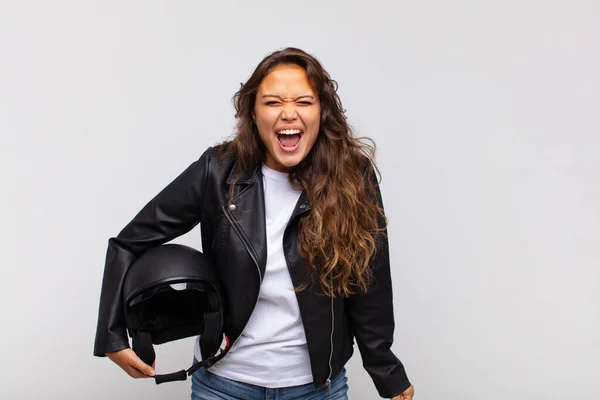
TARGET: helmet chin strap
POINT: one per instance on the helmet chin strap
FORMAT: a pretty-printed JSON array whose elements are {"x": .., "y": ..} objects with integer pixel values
[
  {"x": 209, "y": 341},
  {"x": 183, "y": 374},
  {"x": 142, "y": 346}
]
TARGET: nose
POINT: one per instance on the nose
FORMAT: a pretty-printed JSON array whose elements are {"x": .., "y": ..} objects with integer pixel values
[{"x": 289, "y": 112}]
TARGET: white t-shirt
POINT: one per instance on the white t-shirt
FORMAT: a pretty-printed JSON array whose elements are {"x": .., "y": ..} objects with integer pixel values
[{"x": 272, "y": 352}]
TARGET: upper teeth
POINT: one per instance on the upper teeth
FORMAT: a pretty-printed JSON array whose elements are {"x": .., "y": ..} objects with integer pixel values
[{"x": 289, "y": 132}]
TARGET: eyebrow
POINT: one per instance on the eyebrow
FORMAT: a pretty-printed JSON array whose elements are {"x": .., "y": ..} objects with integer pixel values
[{"x": 279, "y": 97}]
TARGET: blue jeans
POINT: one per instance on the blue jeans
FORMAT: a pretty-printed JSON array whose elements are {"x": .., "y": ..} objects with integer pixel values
[{"x": 208, "y": 386}]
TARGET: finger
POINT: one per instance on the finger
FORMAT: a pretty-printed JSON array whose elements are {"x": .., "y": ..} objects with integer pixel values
[
  {"x": 134, "y": 373},
  {"x": 143, "y": 367}
]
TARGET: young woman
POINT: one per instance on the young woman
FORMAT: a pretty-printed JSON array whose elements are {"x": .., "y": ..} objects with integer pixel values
[{"x": 291, "y": 213}]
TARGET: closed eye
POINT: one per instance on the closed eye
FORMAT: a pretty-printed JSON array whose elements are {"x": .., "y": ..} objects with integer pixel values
[{"x": 275, "y": 103}]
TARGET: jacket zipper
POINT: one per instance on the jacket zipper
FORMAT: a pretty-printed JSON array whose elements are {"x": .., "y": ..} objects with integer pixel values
[
  {"x": 331, "y": 344},
  {"x": 245, "y": 241},
  {"x": 246, "y": 244},
  {"x": 328, "y": 381}
]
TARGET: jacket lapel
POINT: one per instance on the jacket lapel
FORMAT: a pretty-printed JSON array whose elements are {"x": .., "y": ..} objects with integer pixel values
[{"x": 247, "y": 208}]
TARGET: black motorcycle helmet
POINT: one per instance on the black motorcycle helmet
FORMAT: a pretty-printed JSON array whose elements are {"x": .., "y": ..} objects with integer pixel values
[{"x": 172, "y": 292}]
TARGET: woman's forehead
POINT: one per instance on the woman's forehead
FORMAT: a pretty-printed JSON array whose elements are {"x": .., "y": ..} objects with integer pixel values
[{"x": 290, "y": 80}]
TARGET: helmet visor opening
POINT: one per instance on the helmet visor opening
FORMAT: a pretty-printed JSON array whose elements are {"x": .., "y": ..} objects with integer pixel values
[{"x": 171, "y": 305}]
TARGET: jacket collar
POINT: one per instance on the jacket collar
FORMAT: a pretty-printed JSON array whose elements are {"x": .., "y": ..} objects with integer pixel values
[{"x": 249, "y": 176}]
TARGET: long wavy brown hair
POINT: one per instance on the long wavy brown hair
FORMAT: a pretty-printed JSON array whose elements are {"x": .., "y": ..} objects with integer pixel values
[{"x": 338, "y": 237}]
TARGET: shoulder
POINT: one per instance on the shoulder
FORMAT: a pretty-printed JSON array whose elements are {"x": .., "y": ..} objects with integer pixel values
[
  {"x": 218, "y": 155},
  {"x": 218, "y": 163},
  {"x": 218, "y": 152},
  {"x": 366, "y": 164}
]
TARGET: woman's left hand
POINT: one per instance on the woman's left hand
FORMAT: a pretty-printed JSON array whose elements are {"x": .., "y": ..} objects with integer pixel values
[{"x": 406, "y": 395}]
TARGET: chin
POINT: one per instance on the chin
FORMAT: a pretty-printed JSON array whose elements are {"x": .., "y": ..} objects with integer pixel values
[
  {"x": 284, "y": 165},
  {"x": 290, "y": 163}
]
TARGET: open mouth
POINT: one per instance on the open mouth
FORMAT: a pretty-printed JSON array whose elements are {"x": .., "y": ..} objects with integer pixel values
[{"x": 289, "y": 138}]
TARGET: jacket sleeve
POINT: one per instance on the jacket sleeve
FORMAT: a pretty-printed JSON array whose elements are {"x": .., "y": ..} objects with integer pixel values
[
  {"x": 171, "y": 213},
  {"x": 371, "y": 316}
]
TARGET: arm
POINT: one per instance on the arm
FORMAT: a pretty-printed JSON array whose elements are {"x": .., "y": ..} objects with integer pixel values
[
  {"x": 171, "y": 213},
  {"x": 371, "y": 315}
]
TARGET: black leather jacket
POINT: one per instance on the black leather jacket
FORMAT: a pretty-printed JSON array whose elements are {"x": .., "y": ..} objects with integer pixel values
[{"x": 233, "y": 236}]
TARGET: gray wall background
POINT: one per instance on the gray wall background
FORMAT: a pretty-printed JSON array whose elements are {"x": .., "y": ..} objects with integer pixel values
[{"x": 486, "y": 115}]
